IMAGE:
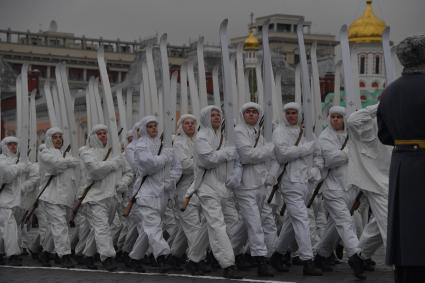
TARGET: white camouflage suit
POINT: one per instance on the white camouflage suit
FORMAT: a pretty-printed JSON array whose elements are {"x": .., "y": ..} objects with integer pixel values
[
  {"x": 294, "y": 184},
  {"x": 191, "y": 220},
  {"x": 163, "y": 171},
  {"x": 59, "y": 196},
  {"x": 100, "y": 202},
  {"x": 369, "y": 162},
  {"x": 217, "y": 201},
  {"x": 251, "y": 195},
  {"x": 334, "y": 189},
  {"x": 12, "y": 182}
]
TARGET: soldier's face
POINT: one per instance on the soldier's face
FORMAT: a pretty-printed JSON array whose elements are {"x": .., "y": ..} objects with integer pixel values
[
  {"x": 250, "y": 116},
  {"x": 57, "y": 140},
  {"x": 13, "y": 147},
  {"x": 291, "y": 116},
  {"x": 215, "y": 119},
  {"x": 189, "y": 126},
  {"x": 102, "y": 135},
  {"x": 152, "y": 129},
  {"x": 337, "y": 122}
]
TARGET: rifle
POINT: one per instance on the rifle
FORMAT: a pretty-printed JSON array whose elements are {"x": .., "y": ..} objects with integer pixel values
[
  {"x": 28, "y": 213},
  {"x": 356, "y": 203},
  {"x": 83, "y": 196},
  {"x": 319, "y": 185},
  {"x": 259, "y": 131},
  {"x": 279, "y": 179},
  {"x": 130, "y": 204},
  {"x": 187, "y": 199}
]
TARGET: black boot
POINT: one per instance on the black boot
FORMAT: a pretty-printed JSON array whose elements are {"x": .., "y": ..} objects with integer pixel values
[
  {"x": 311, "y": 269},
  {"x": 277, "y": 262},
  {"x": 193, "y": 268},
  {"x": 14, "y": 260},
  {"x": 212, "y": 261},
  {"x": 287, "y": 259},
  {"x": 66, "y": 261},
  {"x": 357, "y": 265},
  {"x": 136, "y": 265},
  {"x": 241, "y": 262},
  {"x": 162, "y": 261},
  {"x": 89, "y": 262},
  {"x": 339, "y": 251},
  {"x": 2, "y": 259},
  {"x": 322, "y": 263},
  {"x": 109, "y": 264},
  {"x": 174, "y": 262},
  {"x": 44, "y": 259},
  {"x": 263, "y": 269},
  {"x": 204, "y": 266},
  {"x": 297, "y": 261},
  {"x": 231, "y": 272}
]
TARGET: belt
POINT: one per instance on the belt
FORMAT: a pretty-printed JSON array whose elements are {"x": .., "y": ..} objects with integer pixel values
[
  {"x": 413, "y": 143},
  {"x": 410, "y": 144}
]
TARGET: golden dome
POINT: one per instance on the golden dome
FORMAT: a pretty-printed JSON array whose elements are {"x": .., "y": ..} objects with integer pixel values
[
  {"x": 251, "y": 42},
  {"x": 367, "y": 28}
]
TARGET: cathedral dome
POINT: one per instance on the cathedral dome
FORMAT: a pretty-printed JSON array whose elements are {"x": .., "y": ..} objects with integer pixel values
[
  {"x": 368, "y": 28},
  {"x": 251, "y": 42}
]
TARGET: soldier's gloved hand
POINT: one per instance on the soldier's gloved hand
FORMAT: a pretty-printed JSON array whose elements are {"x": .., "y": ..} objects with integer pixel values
[
  {"x": 72, "y": 162},
  {"x": 230, "y": 152},
  {"x": 169, "y": 154},
  {"x": 269, "y": 148},
  {"x": 119, "y": 162},
  {"x": 270, "y": 180},
  {"x": 314, "y": 174},
  {"x": 308, "y": 147},
  {"x": 23, "y": 167},
  {"x": 121, "y": 187}
]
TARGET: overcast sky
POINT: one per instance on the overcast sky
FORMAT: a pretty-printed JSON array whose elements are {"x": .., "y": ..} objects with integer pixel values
[{"x": 187, "y": 19}]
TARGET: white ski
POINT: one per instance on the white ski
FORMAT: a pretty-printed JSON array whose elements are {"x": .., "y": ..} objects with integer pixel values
[
  {"x": 113, "y": 131},
  {"x": 121, "y": 113},
  {"x": 50, "y": 106},
  {"x": 202, "y": 82},
  {"x": 389, "y": 62},
  {"x": 33, "y": 128},
  {"x": 153, "y": 89},
  {"x": 227, "y": 89},
  {"x": 62, "y": 105},
  {"x": 352, "y": 98},
  {"x": 298, "y": 84},
  {"x": 184, "y": 101},
  {"x": 23, "y": 138},
  {"x": 216, "y": 86},
  {"x": 173, "y": 94},
  {"x": 148, "y": 105},
  {"x": 268, "y": 84},
  {"x": 194, "y": 98},
  {"x": 129, "y": 108},
  {"x": 337, "y": 84},
  {"x": 240, "y": 76},
  {"x": 317, "y": 97},
  {"x": 98, "y": 100},
  {"x": 260, "y": 86},
  {"x": 305, "y": 82}
]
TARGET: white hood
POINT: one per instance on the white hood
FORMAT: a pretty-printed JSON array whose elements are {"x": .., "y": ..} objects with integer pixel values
[
  {"x": 93, "y": 140},
  {"x": 5, "y": 150}
]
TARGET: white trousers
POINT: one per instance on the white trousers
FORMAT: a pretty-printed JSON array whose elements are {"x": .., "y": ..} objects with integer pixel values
[
  {"x": 340, "y": 223},
  {"x": 152, "y": 211},
  {"x": 141, "y": 244},
  {"x": 100, "y": 216},
  {"x": 194, "y": 226},
  {"x": 294, "y": 196},
  {"x": 216, "y": 209},
  {"x": 57, "y": 218},
  {"x": 255, "y": 210},
  {"x": 375, "y": 232},
  {"x": 8, "y": 233}
]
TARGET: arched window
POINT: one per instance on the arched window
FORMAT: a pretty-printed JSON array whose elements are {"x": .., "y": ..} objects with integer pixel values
[
  {"x": 362, "y": 62},
  {"x": 377, "y": 64},
  {"x": 375, "y": 85},
  {"x": 362, "y": 84}
]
